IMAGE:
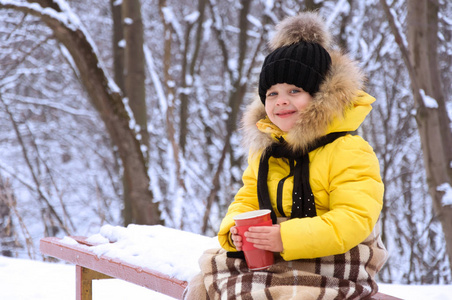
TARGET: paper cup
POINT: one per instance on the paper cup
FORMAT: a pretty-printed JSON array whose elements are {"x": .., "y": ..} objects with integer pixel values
[{"x": 256, "y": 259}]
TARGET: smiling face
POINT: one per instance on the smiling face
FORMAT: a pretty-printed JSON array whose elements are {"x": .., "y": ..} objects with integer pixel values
[{"x": 284, "y": 102}]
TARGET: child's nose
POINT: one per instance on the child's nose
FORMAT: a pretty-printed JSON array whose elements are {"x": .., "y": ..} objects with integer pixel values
[{"x": 282, "y": 100}]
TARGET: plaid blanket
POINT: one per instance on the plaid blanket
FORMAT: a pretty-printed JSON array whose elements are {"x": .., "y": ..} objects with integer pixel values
[{"x": 345, "y": 276}]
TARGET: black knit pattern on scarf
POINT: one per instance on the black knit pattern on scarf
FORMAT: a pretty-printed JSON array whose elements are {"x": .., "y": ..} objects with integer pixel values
[{"x": 303, "y": 204}]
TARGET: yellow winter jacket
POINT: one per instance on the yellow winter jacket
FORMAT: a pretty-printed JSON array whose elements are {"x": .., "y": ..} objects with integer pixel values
[{"x": 344, "y": 177}]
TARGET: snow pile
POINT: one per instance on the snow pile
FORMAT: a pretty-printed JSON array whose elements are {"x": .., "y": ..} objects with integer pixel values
[{"x": 170, "y": 251}]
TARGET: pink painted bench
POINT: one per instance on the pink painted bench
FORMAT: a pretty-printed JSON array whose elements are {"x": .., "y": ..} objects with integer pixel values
[{"x": 90, "y": 267}]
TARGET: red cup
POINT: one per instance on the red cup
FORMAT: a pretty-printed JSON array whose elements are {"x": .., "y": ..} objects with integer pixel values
[{"x": 256, "y": 259}]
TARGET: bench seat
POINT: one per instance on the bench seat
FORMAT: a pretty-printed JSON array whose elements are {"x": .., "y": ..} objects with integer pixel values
[{"x": 90, "y": 267}]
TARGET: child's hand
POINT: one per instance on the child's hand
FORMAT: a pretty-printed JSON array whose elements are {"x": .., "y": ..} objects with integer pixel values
[
  {"x": 265, "y": 237},
  {"x": 236, "y": 238}
]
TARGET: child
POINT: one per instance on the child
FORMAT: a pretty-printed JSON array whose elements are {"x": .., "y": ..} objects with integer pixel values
[{"x": 321, "y": 182}]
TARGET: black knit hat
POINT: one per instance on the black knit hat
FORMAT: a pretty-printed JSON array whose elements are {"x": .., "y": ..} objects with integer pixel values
[{"x": 302, "y": 64}]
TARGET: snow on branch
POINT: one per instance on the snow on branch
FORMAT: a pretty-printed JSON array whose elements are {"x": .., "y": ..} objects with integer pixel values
[
  {"x": 170, "y": 18},
  {"x": 399, "y": 37},
  {"x": 155, "y": 79},
  {"x": 427, "y": 100},
  {"x": 66, "y": 18},
  {"x": 50, "y": 104},
  {"x": 269, "y": 10},
  {"x": 447, "y": 197},
  {"x": 399, "y": 28},
  {"x": 340, "y": 7},
  {"x": 253, "y": 20},
  {"x": 192, "y": 18}
]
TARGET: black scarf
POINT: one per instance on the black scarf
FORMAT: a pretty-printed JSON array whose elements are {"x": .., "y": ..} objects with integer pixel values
[{"x": 303, "y": 200}]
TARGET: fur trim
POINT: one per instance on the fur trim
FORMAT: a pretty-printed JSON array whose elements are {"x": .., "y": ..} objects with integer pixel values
[
  {"x": 254, "y": 139},
  {"x": 335, "y": 96},
  {"x": 308, "y": 27}
]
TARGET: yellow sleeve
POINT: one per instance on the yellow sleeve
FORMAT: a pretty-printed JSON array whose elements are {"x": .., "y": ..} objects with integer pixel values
[
  {"x": 245, "y": 200},
  {"x": 353, "y": 182}
]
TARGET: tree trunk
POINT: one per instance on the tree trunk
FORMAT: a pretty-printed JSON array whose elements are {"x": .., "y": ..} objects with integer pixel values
[
  {"x": 421, "y": 60},
  {"x": 433, "y": 122},
  {"x": 313, "y": 5},
  {"x": 171, "y": 91},
  {"x": 107, "y": 100},
  {"x": 134, "y": 83},
  {"x": 118, "y": 47},
  {"x": 134, "y": 64},
  {"x": 7, "y": 243}
]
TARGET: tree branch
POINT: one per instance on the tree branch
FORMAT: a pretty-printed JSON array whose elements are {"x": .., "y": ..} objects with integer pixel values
[{"x": 41, "y": 197}]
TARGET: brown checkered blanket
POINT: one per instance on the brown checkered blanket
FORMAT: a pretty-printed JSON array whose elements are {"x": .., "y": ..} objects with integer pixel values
[{"x": 345, "y": 276}]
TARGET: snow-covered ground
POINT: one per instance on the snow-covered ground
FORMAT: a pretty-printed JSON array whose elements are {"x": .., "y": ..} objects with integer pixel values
[{"x": 32, "y": 280}]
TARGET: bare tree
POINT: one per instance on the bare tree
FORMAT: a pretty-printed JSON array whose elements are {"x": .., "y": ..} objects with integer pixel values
[
  {"x": 7, "y": 230},
  {"x": 238, "y": 79},
  {"x": 107, "y": 100},
  {"x": 420, "y": 55},
  {"x": 189, "y": 64},
  {"x": 8, "y": 234}
]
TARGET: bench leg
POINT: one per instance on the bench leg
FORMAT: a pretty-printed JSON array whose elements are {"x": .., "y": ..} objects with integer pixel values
[
  {"x": 83, "y": 285},
  {"x": 84, "y": 282}
]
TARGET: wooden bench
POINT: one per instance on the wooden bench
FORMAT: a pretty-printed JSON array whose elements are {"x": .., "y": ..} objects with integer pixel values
[{"x": 90, "y": 267}]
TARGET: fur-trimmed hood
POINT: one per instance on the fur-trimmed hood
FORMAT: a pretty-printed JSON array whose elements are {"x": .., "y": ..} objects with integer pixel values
[{"x": 339, "y": 105}]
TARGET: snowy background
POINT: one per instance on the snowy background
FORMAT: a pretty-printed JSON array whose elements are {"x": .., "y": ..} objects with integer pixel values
[{"x": 63, "y": 176}]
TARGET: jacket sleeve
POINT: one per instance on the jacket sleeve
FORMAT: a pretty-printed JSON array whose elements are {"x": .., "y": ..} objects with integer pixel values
[
  {"x": 353, "y": 196},
  {"x": 245, "y": 200}
]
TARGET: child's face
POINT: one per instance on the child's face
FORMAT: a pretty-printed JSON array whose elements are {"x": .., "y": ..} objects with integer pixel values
[{"x": 284, "y": 102}]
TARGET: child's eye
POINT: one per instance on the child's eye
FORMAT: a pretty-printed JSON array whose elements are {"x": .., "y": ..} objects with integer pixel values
[
  {"x": 294, "y": 91},
  {"x": 272, "y": 94}
]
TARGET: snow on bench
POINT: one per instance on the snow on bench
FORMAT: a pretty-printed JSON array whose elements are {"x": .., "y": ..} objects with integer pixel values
[{"x": 155, "y": 257}]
